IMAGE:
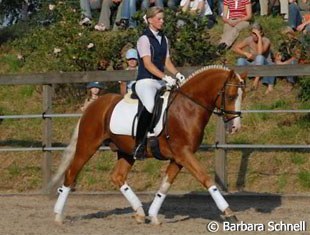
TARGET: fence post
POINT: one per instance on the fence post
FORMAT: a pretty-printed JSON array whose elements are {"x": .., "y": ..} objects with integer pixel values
[
  {"x": 220, "y": 155},
  {"x": 47, "y": 135}
]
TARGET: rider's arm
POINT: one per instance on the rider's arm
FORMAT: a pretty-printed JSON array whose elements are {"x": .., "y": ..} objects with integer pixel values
[
  {"x": 170, "y": 66},
  {"x": 148, "y": 64}
]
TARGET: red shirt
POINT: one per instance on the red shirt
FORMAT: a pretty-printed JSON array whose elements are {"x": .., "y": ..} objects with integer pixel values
[{"x": 236, "y": 8}]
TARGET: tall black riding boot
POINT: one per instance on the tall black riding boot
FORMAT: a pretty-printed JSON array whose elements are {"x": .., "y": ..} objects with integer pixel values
[{"x": 141, "y": 135}]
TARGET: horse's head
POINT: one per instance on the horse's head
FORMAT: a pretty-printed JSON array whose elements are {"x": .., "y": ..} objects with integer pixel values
[{"x": 229, "y": 102}]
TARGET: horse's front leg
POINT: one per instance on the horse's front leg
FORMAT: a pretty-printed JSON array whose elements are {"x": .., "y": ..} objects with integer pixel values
[
  {"x": 119, "y": 176},
  {"x": 188, "y": 160},
  {"x": 172, "y": 171}
]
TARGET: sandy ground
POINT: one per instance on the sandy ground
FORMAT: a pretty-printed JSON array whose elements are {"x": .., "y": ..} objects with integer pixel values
[{"x": 180, "y": 214}]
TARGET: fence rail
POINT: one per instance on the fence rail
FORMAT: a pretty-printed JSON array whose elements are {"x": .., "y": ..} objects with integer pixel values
[{"x": 220, "y": 147}]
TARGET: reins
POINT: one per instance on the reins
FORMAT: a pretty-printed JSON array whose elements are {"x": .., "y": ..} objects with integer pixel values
[{"x": 222, "y": 111}]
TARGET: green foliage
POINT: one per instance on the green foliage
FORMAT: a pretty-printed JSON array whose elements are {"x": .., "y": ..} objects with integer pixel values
[
  {"x": 304, "y": 178},
  {"x": 298, "y": 159},
  {"x": 305, "y": 88},
  {"x": 304, "y": 122}
]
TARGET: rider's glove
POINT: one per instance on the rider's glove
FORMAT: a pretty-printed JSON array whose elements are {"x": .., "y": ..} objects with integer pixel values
[
  {"x": 170, "y": 82},
  {"x": 180, "y": 77}
]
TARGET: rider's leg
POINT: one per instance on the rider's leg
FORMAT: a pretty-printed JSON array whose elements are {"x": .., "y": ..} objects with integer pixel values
[
  {"x": 146, "y": 90},
  {"x": 142, "y": 129}
]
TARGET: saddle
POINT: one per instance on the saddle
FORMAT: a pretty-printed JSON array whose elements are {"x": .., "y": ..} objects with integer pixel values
[{"x": 126, "y": 113}]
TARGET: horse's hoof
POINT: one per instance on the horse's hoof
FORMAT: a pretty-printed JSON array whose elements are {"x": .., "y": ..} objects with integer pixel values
[
  {"x": 139, "y": 218},
  {"x": 59, "y": 219},
  {"x": 155, "y": 221},
  {"x": 231, "y": 219}
]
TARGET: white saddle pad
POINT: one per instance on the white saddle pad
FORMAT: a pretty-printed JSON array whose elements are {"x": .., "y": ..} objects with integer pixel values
[{"x": 124, "y": 113}]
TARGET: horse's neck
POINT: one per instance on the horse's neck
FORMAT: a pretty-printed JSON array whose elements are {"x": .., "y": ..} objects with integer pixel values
[{"x": 206, "y": 86}]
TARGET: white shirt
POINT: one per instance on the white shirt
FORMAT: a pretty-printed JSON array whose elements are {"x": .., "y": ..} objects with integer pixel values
[
  {"x": 193, "y": 6},
  {"x": 144, "y": 46}
]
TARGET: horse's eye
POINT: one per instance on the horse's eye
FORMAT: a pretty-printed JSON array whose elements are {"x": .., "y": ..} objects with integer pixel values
[{"x": 231, "y": 97}]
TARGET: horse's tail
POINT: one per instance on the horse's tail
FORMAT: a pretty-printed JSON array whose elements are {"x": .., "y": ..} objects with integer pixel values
[{"x": 67, "y": 158}]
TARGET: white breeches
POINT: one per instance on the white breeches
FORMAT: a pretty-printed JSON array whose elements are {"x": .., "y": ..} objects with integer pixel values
[{"x": 146, "y": 90}]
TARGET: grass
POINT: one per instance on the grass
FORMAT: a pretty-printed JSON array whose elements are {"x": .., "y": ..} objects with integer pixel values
[
  {"x": 276, "y": 171},
  {"x": 304, "y": 179}
]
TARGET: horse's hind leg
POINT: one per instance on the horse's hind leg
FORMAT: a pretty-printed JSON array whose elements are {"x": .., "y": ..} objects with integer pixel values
[
  {"x": 119, "y": 177},
  {"x": 88, "y": 142},
  {"x": 172, "y": 171},
  {"x": 189, "y": 161}
]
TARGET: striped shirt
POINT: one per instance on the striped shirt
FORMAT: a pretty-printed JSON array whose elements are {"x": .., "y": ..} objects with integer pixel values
[{"x": 236, "y": 8}]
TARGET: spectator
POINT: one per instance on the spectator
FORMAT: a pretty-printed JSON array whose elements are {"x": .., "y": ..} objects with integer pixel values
[
  {"x": 105, "y": 13},
  {"x": 299, "y": 18},
  {"x": 132, "y": 64},
  {"x": 146, "y": 4},
  {"x": 94, "y": 90},
  {"x": 128, "y": 10},
  {"x": 199, "y": 7},
  {"x": 236, "y": 16},
  {"x": 290, "y": 79},
  {"x": 256, "y": 50}
]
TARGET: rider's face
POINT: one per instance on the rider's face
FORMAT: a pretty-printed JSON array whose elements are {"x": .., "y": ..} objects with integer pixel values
[{"x": 157, "y": 21}]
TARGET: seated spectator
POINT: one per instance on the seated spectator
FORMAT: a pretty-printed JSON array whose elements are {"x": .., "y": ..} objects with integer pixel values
[
  {"x": 199, "y": 7},
  {"x": 146, "y": 4},
  {"x": 94, "y": 90},
  {"x": 299, "y": 18},
  {"x": 255, "y": 50},
  {"x": 128, "y": 10},
  {"x": 236, "y": 16},
  {"x": 105, "y": 13},
  {"x": 280, "y": 60},
  {"x": 132, "y": 64}
]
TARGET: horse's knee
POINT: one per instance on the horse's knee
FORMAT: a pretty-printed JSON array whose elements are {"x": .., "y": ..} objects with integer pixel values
[{"x": 117, "y": 179}]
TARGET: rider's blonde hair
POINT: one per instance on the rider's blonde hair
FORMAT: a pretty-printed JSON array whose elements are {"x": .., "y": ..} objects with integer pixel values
[{"x": 153, "y": 11}]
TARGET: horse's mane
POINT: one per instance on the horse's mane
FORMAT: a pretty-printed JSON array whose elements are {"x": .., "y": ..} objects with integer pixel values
[{"x": 203, "y": 69}]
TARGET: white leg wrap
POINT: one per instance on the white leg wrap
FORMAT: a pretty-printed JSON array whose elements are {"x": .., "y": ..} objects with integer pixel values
[
  {"x": 156, "y": 204},
  {"x": 62, "y": 198},
  {"x": 218, "y": 198},
  {"x": 131, "y": 197}
]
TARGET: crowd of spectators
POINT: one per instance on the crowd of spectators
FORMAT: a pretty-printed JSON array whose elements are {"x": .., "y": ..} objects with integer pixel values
[{"x": 236, "y": 16}]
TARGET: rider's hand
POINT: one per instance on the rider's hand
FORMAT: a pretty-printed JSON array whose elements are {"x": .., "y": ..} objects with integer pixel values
[
  {"x": 180, "y": 77},
  {"x": 170, "y": 81}
]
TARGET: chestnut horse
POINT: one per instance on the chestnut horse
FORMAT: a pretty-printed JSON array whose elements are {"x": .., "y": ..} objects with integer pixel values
[{"x": 212, "y": 89}]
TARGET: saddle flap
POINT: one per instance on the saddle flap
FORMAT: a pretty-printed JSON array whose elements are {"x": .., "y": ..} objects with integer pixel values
[{"x": 124, "y": 113}]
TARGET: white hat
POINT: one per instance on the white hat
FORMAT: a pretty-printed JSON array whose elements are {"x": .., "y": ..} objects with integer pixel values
[{"x": 132, "y": 54}]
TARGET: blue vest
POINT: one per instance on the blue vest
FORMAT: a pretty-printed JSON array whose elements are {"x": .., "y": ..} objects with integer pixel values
[{"x": 158, "y": 55}]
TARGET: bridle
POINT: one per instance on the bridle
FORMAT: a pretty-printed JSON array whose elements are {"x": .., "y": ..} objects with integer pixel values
[{"x": 219, "y": 111}]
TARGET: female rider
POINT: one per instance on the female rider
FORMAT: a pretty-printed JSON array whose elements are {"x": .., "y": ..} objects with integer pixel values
[{"x": 153, "y": 54}]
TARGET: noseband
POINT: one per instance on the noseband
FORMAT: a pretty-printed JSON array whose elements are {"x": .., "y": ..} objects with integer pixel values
[{"x": 222, "y": 110}]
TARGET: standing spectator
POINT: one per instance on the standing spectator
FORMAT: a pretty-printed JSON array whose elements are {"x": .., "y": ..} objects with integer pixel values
[
  {"x": 255, "y": 50},
  {"x": 105, "y": 15},
  {"x": 94, "y": 90},
  {"x": 132, "y": 64},
  {"x": 86, "y": 7},
  {"x": 236, "y": 16}
]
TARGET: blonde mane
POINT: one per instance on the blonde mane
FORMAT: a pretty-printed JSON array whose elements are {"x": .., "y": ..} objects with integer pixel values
[{"x": 203, "y": 69}]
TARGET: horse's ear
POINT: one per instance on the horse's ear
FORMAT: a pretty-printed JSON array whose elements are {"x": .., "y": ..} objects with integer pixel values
[
  {"x": 231, "y": 74},
  {"x": 244, "y": 75}
]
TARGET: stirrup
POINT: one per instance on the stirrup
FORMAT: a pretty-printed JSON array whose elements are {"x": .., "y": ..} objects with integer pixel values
[{"x": 139, "y": 153}]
